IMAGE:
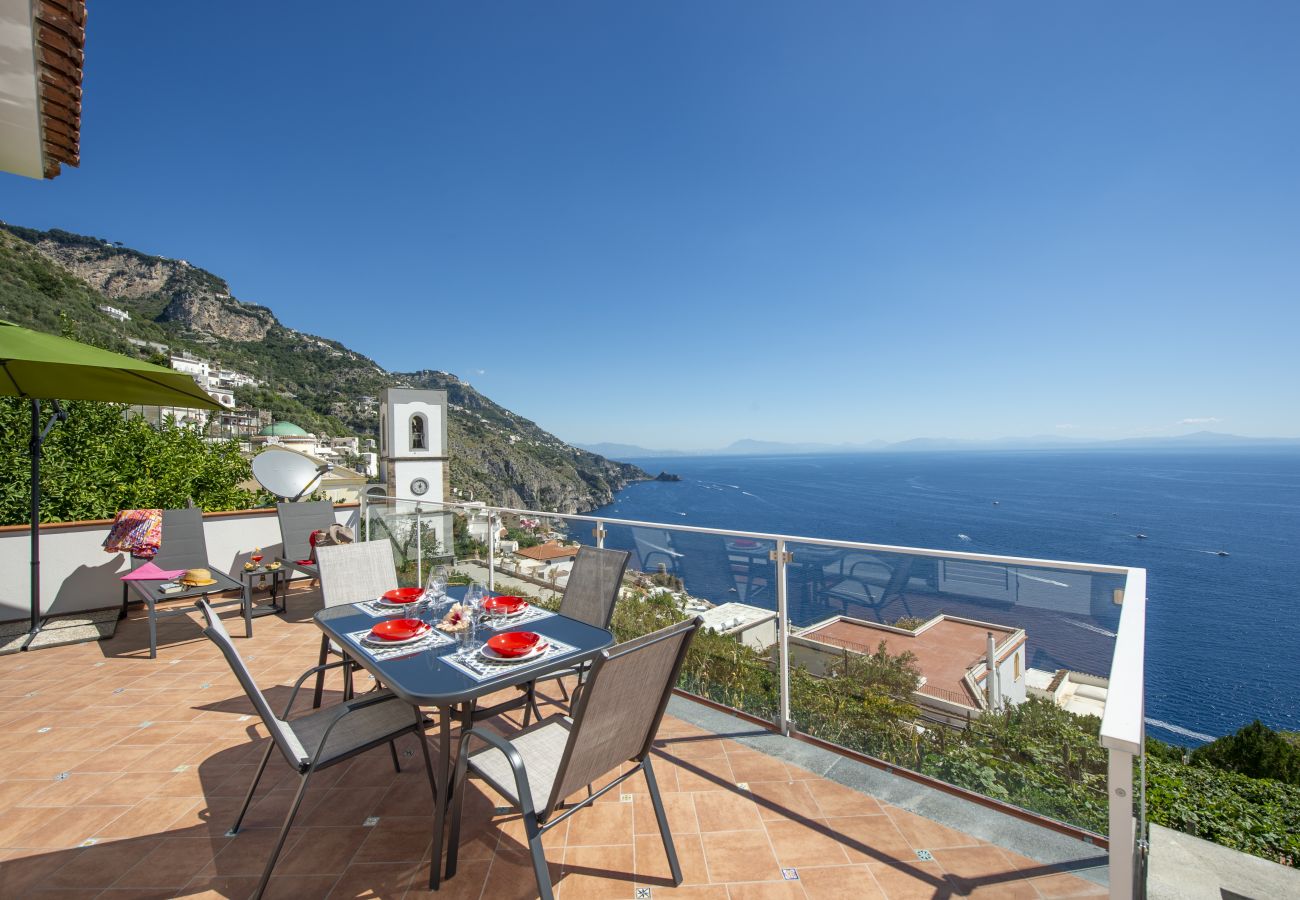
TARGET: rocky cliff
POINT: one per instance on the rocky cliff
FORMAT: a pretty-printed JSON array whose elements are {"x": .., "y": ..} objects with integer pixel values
[{"x": 56, "y": 281}]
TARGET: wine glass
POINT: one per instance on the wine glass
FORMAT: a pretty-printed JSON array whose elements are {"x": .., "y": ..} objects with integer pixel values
[
  {"x": 473, "y": 603},
  {"x": 256, "y": 558},
  {"x": 435, "y": 589}
]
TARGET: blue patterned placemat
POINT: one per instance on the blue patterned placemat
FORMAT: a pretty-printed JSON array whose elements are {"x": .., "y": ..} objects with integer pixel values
[
  {"x": 480, "y": 668},
  {"x": 382, "y": 651}
]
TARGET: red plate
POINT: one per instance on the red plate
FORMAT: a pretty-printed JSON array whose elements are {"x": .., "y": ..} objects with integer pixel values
[
  {"x": 507, "y": 605},
  {"x": 399, "y": 629},
  {"x": 403, "y": 595},
  {"x": 514, "y": 643}
]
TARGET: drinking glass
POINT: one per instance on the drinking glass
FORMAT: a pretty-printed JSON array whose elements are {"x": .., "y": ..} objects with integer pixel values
[
  {"x": 473, "y": 603},
  {"x": 435, "y": 589}
]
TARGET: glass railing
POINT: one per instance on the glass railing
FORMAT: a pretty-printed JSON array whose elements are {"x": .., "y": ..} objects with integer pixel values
[{"x": 986, "y": 674}]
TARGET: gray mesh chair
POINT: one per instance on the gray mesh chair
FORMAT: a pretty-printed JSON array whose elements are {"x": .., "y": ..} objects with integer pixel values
[
  {"x": 185, "y": 547},
  {"x": 589, "y": 596},
  {"x": 350, "y": 573},
  {"x": 297, "y": 522},
  {"x": 320, "y": 739},
  {"x": 615, "y": 720}
]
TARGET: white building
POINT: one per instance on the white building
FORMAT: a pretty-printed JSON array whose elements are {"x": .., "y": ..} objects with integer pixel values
[
  {"x": 413, "y": 459},
  {"x": 1076, "y": 692},
  {"x": 753, "y": 626},
  {"x": 114, "y": 313}
]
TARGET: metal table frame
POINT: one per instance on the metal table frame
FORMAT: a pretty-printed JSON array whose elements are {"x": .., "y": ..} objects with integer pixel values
[{"x": 422, "y": 680}]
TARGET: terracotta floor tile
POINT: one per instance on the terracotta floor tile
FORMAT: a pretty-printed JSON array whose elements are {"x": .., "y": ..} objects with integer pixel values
[
  {"x": 750, "y": 765},
  {"x": 597, "y": 873},
  {"x": 395, "y": 840},
  {"x": 1063, "y": 885},
  {"x": 838, "y": 800},
  {"x": 983, "y": 872},
  {"x": 322, "y": 851},
  {"x": 466, "y": 885},
  {"x": 600, "y": 824},
  {"x": 245, "y": 854},
  {"x": 911, "y": 880},
  {"x": 679, "y": 808},
  {"x": 870, "y": 838},
  {"x": 694, "y": 776},
  {"x": 148, "y": 817},
  {"x": 784, "y": 800},
  {"x": 128, "y": 789},
  {"x": 836, "y": 882},
  {"x": 928, "y": 834},
  {"x": 652, "y": 863},
  {"x": 220, "y": 887},
  {"x": 300, "y": 887},
  {"x": 511, "y": 877},
  {"x": 102, "y": 864},
  {"x": 170, "y": 865},
  {"x": 726, "y": 811},
  {"x": 688, "y": 747},
  {"x": 739, "y": 856},
  {"x": 813, "y": 843},
  {"x": 766, "y": 890}
]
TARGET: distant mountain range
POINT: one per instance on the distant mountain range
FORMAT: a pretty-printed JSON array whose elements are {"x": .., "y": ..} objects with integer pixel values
[{"x": 748, "y": 447}]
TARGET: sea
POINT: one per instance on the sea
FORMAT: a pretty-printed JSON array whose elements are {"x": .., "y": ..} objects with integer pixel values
[{"x": 1222, "y": 631}]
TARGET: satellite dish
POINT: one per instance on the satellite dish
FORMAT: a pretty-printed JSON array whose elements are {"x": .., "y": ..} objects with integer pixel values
[{"x": 287, "y": 474}]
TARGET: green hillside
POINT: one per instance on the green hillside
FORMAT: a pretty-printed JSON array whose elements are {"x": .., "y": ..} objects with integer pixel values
[{"x": 55, "y": 281}]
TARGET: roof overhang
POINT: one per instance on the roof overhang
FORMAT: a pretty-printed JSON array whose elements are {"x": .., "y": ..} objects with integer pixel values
[{"x": 41, "y": 44}]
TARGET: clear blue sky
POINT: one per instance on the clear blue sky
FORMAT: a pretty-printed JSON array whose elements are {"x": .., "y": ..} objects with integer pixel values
[{"x": 678, "y": 224}]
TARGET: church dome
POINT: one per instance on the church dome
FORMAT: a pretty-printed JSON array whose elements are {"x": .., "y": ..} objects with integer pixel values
[{"x": 283, "y": 429}]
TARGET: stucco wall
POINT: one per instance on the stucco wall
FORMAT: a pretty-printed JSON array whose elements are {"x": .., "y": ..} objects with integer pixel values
[{"x": 76, "y": 573}]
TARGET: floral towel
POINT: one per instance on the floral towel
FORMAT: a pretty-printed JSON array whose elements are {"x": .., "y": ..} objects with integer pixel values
[{"x": 135, "y": 531}]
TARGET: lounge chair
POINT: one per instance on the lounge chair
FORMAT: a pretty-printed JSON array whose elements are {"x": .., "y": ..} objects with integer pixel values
[
  {"x": 297, "y": 523},
  {"x": 185, "y": 547}
]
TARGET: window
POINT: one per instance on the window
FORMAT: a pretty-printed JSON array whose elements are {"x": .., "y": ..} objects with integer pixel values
[
  {"x": 418, "y": 440},
  {"x": 1015, "y": 662}
]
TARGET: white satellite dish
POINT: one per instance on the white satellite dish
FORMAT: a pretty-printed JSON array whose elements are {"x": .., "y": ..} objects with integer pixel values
[{"x": 287, "y": 474}]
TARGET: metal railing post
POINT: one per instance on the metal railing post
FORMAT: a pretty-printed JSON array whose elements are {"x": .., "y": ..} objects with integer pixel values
[
  {"x": 1123, "y": 837},
  {"x": 783, "y": 638},
  {"x": 599, "y": 534},
  {"x": 491, "y": 544},
  {"x": 419, "y": 547}
]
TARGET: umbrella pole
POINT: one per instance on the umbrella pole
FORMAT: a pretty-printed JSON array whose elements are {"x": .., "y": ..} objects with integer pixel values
[
  {"x": 38, "y": 440},
  {"x": 36, "y": 522}
]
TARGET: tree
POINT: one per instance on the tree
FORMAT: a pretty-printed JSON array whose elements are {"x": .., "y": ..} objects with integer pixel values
[
  {"x": 101, "y": 461},
  {"x": 1256, "y": 750}
]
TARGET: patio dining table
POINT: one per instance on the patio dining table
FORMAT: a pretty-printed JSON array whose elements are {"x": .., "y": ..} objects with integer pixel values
[{"x": 433, "y": 676}]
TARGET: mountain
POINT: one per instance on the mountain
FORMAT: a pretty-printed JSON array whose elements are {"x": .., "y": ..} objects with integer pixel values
[
  {"x": 749, "y": 447},
  {"x": 57, "y": 282}
]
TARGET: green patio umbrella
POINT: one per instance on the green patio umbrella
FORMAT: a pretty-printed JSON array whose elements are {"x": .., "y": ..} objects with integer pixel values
[{"x": 39, "y": 367}]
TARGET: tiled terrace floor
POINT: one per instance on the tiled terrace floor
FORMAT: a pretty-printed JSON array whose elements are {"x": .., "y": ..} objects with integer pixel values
[{"x": 157, "y": 755}]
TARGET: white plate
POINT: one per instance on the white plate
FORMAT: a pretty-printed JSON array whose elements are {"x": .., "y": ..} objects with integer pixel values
[
  {"x": 380, "y": 642},
  {"x": 489, "y": 654},
  {"x": 395, "y": 605}
]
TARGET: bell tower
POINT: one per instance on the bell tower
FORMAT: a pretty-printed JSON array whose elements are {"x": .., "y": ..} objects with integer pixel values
[{"x": 413, "y": 444}]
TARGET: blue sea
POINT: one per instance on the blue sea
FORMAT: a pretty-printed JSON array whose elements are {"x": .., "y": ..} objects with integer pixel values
[{"x": 1223, "y": 632}]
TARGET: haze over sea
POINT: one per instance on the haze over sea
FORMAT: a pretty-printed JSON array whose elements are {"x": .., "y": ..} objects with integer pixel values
[{"x": 1223, "y": 635}]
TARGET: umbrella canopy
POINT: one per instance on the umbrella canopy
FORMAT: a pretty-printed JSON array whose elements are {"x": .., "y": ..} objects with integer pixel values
[
  {"x": 38, "y": 367},
  {"x": 46, "y": 367}
]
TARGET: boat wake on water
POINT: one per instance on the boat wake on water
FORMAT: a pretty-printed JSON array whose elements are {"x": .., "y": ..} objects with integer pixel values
[
  {"x": 1097, "y": 629},
  {"x": 1178, "y": 729}
]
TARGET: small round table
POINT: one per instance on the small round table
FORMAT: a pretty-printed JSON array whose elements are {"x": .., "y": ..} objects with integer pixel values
[{"x": 279, "y": 578}]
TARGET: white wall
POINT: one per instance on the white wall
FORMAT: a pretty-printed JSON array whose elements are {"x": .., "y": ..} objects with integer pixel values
[{"x": 77, "y": 575}]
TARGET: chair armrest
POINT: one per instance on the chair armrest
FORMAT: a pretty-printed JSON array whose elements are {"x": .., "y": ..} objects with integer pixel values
[
  {"x": 352, "y": 706},
  {"x": 293, "y": 694}
]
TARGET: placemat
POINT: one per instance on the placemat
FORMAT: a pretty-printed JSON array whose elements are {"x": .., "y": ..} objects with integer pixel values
[
  {"x": 481, "y": 669},
  {"x": 532, "y": 614},
  {"x": 377, "y": 610},
  {"x": 380, "y": 652}
]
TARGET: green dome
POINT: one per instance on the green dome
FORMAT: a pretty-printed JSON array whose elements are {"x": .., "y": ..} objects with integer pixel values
[{"x": 282, "y": 429}]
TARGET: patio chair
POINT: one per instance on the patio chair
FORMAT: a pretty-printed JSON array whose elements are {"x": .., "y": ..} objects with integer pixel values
[
  {"x": 297, "y": 522},
  {"x": 185, "y": 547},
  {"x": 350, "y": 573},
  {"x": 320, "y": 739},
  {"x": 615, "y": 721},
  {"x": 589, "y": 596}
]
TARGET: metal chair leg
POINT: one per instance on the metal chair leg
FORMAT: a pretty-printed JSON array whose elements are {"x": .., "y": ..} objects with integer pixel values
[
  {"x": 153, "y": 629},
  {"x": 320, "y": 676},
  {"x": 347, "y": 679},
  {"x": 248, "y": 608},
  {"x": 662, "y": 818},
  {"x": 538, "y": 854},
  {"x": 252, "y": 788},
  {"x": 392, "y": 747},
  {"x": 284, "y": 833}
]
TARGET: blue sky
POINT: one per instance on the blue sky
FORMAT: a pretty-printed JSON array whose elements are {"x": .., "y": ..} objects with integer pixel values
[{"x": 679, "y": 224}]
